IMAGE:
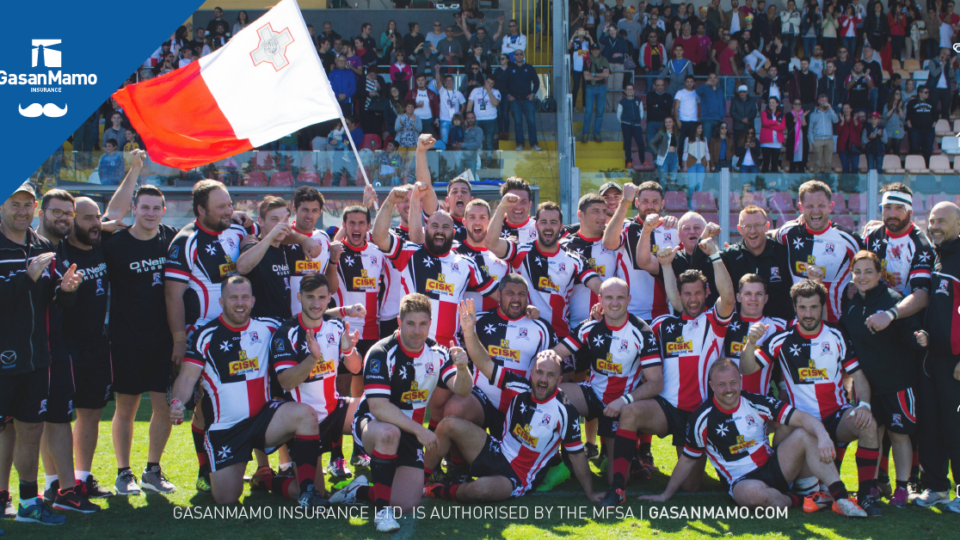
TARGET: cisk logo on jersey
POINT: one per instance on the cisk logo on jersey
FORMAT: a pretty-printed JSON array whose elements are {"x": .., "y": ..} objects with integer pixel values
[
  {"x": 228, "y": 267},
  {"x": 679, "y": 346},
  {"x": 415, "y": 395},
  {"x": 308, "y": 267},
  {"x": 504, "y": 352},
  {"x": 522, "y": 433},
  {"x": 811, "y": 373},
  {"x": 322, "y": 368},
  {"x": 364, "y": 282},
  {"x": 546, "y": 283},
  {"x": 602, "y": 269},
  {"x": 244, "y": 365},
  {"x": 736, "y": 348},
  {"x": 440, "y": 285},
  {"x": 742, "y": 444},
  {"x": 609, "y": 366}
]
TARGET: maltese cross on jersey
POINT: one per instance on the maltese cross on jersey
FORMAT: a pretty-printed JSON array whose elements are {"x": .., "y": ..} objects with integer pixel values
[{"x": 272, "y": 47}]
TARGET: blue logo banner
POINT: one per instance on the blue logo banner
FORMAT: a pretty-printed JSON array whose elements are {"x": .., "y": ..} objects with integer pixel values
[{"x": 56, "y": 72}]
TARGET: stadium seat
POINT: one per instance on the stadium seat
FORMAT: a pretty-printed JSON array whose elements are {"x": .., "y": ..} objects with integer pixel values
[
  {"x": 836, "y": 164},
  {"x": 942, "y": 128},
  {"x": 262, "y": 161},
  {"x": 940, "y": 164},
  {"x": 839, "y": 204},
  {"x": 711, "y": 217},
  {"x": 933, "y": 200},
  {"x": 782, "y": 202},
  {"x": 735, "y": 204},
  {"x": 956, "y": 164},
  {"x": 863, "y": 164},
  {"x": 255, "y": 179},
  {"x": 956, "y": 126},
  {"x": 920, "y": 75},
  {"x": 327, "y": 179},
  {"x": 911, "y": 65},
  {"x": 308, "y": 177},
  {"x": 703, "y": 201},
  {"x": 675, "y": 201},
  {"x": 755, "y": 198},
  {"x": 281, "y": 179},
  {"x": 892, "y": 164},
  {"x": 846, "y": 221},
  {"x": 919, "y": 205},
  {"x": 306, "y": 162},
  {"x": 857, "y": 204},
  {"x": 926, "y": 185},
  {"x": 371, "y": 141},
  {"x": 916, "y": 164},
  {"x": 951, "y": 185}
]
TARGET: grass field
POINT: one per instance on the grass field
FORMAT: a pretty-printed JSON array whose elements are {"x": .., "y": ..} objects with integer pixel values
[{"x": 155, "y": 516}]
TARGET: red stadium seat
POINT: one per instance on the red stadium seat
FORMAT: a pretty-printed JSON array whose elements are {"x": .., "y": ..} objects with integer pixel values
[
  {"x": 328, "y": 179},
  {"x": 933, "y": 200},
  {"x": 703, "y": 201},
  {"x": 756, "y": 199},
  {"x": 782, "y": 201},
  {"x": 919, "y": 207},
  {"x": 308, "y": 177},
  {"x": 839, "y": 204},
  {"x": 281, "y": 179},
  {"x": 262, "y": 161},
  {"x": 846, "y": 221},
  {"x": 371, "y": 141},
  {"x": 256, "y": 179},
  {"x": 735, "y": 204},
  {"x": 857, "y": 204},
  {"x": 675, "y": 201}
]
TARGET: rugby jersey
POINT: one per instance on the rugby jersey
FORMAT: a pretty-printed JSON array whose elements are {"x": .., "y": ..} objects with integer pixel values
[
  {"x": 757, "y": 382},
  {"x": 811, "y": 367},
  {"x": 604, "y": 263},
  {"x": 735, "y": 441},
  {"x": 522, "y": 233},
  {"x": 491, "y": 265},
  {"x": 289, "y": 348},
  {"x": 905, "y": 259},
  {"x": 832, "y": 249},
  {"x": 648, "y": 296},
  {"x": 360, "y": 272},
  {"x": 616, "y": 356},
  {"x": 391, "y": 291},
  {"x": 236, "y": 363},
  {"x": 302, "y": 264}
]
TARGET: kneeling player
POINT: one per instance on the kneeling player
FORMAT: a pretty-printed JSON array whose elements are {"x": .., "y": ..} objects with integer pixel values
[
  {"x": 621, "y": 351},
  {"x": 731, "y": 429},
  {"x": 538, "y": 419},
  {"x": 399, "y": 375},
  {"x": 231, "y": 352},
  {"x": 305, "y": 354}
]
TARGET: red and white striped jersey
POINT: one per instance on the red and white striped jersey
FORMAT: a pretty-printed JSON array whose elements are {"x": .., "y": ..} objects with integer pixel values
[
  {"x": 491, "y": 265},
  {"x": 444, "y": 280},
  {"x": 512, "y": 344},
  {"x": 359, "y": 272},
  {"x": 236, "y": 364},
  {"x": 757, "y": 382},
  {"x": 617, "y": 356},
  {"x": 289, "y": 348},
  {"x": 302, "y": 264},
  {"x": 811, "y": 367},
  {"x": 648, "y": 297},
  {"x": 392, "y": 291},
  {"x": 407, "y": 379},
  {"x": 688, "y": 348},
  {"x": 552, "y": 277},
  {"x": 524, "y": 233},
  {"x": 832, "y": 249},
  {"x": 533, "y": 430},
  {"x": 202, "y": 259},
  {"x": 905, "y": 259},
  {"x": 604, "y": 263},
  {"x": 735, "y": 440}
]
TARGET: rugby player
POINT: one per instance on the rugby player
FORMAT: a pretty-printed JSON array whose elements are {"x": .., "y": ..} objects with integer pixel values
[
  {"x": 731, "y": 428},
  {"x": 475, "y": 222},
  {"x": 307, "y": 209},
  {"x": 587, "y": 242},
  {"x": 516, "y": 223},
  {"x": 813, "y": 356},
  {"x": 232, "y": 353},
  {"x": 611, "y": 193},
  {"x": 752, "y": 302}
]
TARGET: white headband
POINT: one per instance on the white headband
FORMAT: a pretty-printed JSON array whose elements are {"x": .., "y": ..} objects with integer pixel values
[{"x": 896, "y": 197}]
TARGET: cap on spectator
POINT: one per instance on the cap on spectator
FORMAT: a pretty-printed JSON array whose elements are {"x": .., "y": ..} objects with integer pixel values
[
  {"x": 608, "y": 186},
  {"x": 742, "y": 88},
  {"x": 594, "y": 46},
  {"x": 28, "y": 188},
  {"x": 875, "y": 114},
  {"x": 631, "y": 9},
  {"x": 748, "y": 18},
  {"x": 703, "y": 8}
]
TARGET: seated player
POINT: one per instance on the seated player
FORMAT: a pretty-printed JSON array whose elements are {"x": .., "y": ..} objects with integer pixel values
[
  {"x": 538, "y": 420},
  {"x": 231, "y": 352},
  {"x": 400, "y": 373},
  {"x": 305, "y": 354},
  {"x": 621, "y": 352},
  {"x": 731, "y": 429},
  {"x": 813, "y": 356}
]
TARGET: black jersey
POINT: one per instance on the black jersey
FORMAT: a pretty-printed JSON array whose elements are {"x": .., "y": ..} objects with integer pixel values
[
  {"x": 138, "y": 309},
  {"x": 271, "y": 284},
  {"x": 85, "y": 319}
]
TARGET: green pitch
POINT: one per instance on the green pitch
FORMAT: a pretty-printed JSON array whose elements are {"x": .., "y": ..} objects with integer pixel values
[{"x": 570, "y": 514}]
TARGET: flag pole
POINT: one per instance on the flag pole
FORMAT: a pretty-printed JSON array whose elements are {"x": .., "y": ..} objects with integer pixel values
[{"x": 356, "y": 154}]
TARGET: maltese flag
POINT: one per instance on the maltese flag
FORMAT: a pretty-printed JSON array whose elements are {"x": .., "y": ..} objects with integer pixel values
[{"x": 264, "y": 84}]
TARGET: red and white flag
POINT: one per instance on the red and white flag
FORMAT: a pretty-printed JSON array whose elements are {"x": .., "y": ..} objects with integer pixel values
[{"x": 265, "y": 83}]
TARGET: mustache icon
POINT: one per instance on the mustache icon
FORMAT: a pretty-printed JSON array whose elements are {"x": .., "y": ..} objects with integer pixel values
[{"x": 35, "y": 110}]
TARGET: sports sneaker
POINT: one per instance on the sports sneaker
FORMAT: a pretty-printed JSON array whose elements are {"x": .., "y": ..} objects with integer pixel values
[
  {"x": 433, "y": 491},
  {"x": 584, "y": 137},
  {"x": 818, "y": 501},
  {"x": 72, "y": 501},
  {"x": 614, "y": 497},
  {"x": 555, "y": 476},
  {"x": 385, "y": 521},
  {"x": 348, "y": 495},
  {"x": 260, "y": 481},
  {"x": 930, "y": 497},
  {"x": 519, "y": 149},
  {"x": 361, "y": 461},
  {"x": 126, "y": 484},
  {"x": 596, "y": 138},
  {"x": 870, "y": 505},
  {"x": 593, "y": 453},
  {"x": 9, "y": 512},
  {"x": 848, "y": 508},
  {"x": 92, "y": 489},
  {"x": 913, "y": 487},
  {"x": 154, "y": 480},
  {"x": 203, "y": 484},
  {"x": 629, "y": 165},
  {"x": 536, "y": 148},
  {"x": 953, "y": 506},
  {"x": 50, "y": 495},
  {"x": 312, "y": 499},
  {"x": 899, "y": 499},
  {"x": 286, "y": 471},
  {"x": 337, "y": 469},
  {"x": 39, "y": 513},
  {"x": 640, "y": 469}
]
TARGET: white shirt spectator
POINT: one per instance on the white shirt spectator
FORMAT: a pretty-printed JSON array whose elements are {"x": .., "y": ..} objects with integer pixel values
[
  {"x": 481, "y": 104},
  {"x": 450, "y": 103},
  {"x": 514, "y": 43},
  {"x": 423, "y": 112},
  {"x": 688, "y": 105}
]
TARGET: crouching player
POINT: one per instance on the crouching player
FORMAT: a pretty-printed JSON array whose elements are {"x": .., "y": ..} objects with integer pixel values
[
  {"x": 731, "y": 429},
  {"x": 232, "y": 353},
  {"x": 538, "y": 420}
]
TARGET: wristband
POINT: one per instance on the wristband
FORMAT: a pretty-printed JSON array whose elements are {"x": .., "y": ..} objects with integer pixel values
[
  {"x": 348, "y": 353},
  {"x": 627, "y": 398},
  {"x": 342, "y": 312},
  {"x": 713, "y": 258},
  {"x": 894, "y": 313},
  {"x": 864, "y": 404},
  {"x": 175, "y": 400},
  {"x": 179, "y": 336}
]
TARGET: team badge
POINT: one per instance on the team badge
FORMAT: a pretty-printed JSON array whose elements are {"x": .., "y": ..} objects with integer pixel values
[
  {"x": 428, "y": 369},
  {"x": 331, "y": 339},
  {"x": 174, "y": 251},
  {"x": 775, "y": 274},
  {"x": 943, "y": 287},
  {"x": 254, "y": 338},
  {"x": 522, "y": 333},
  {"x": 750, "y": 421},
  {"x": 374, "y": 366},
  {"x": 373, "y": 261},
  {"x": 278, "y": 345},
  {"x": 829, "y": 250},
  {"x": 455, "y": 267},
  {"x": 156, "y": 279},
  {"x": 895, "y": 420},
  {"x": 230, "y": 241},
  {"x": 825, "y": 348},
  {"x": 562, "y": 267},
  {"x": 667, "y": 237},
  {"x": 624, "y": 346},
  {"x": 545, "y": 421}
]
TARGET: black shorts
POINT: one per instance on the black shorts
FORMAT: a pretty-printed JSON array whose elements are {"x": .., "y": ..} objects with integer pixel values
[
  {"x": 676, "y": 421},
  {"x": 226, "y": 447},
  {"x": 606, "y": 426},
  {"x": 388, "y": 327},
  {"x": 493, "y": 419},
  {"x": 897, "y": 411},
  {"x": 769, "y": 473},
  {"x": 409, "y": 451},
  {"x": 139, "y": 368},
  {"x": 92, "y": 373},
  {"x": 491, "y": 462},
  {"x": 23, "y": 396},
  {"x": 331, "y": 427},
  {"x": 362, "y": 347},
  {"x": 62, "y": 389},
  {"x": 832, "y": 424}
]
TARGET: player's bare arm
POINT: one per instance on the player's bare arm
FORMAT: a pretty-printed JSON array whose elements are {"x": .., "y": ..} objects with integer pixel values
[
  {"x": 333, "y": 278},
  {"x": 415, "y": 219},
  {"x": 176, "y": 318},
  {"x": 462, "y": 379},
  {"x": 380, "y": 234},
  {"x": 680, "y": 473},
  {"x": 384, "y": 411},
  {"x": 348, "y": 348},
  {"x": 612, "y": 234},
  {"x": 122, "y": 199},
  {"x": 182, "y": 390},
  {"x": 478, "y": 354},
  {"x": 430, "y": 203},
  {"x": 665, "y": 259},
  {"x": 728, "y": 298},
  {"x": 748, "y": 359},
  {"x": 811, "y": 425},
  {"x": 650, "y": 388},
  {"x": 250, "y": 258},
  {"x": 645, "y": 244},
  {"x": 581, "y": 469},
  {"x": 493, "y": 242}
]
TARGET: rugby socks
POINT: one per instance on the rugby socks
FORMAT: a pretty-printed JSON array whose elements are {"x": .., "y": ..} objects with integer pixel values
[
  {"x": 198, "y": 446},
  {"x": 841, "y": 451},
  {"x": 457, "y": 461},
  {"x": 447, "y": 493},
  {"x": 645, "y": 441},
  {"x": 838, "y": 490},
  {"x": 306, "y": 453},
  {"x": 433, "y": 425},
  {"x": 281, "y": 485},
  {"x": 867, "y": 469},
  {"x": 336, "y": 451},
  {"x": 883, "y": 473},
  {"x": 806, "y": 486},
  {"x": 915, "y": 468},
  {"x": 624, "y": 447},
  {"x": 28, "y": 492},
  {"x": 796, "y": 501},
  {"x": 383, "y": 467}
]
